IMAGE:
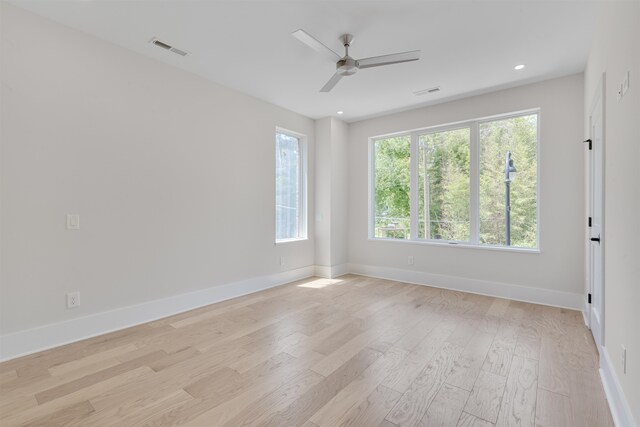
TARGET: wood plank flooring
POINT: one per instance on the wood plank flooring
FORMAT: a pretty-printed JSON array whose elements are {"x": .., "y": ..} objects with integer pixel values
[{"x": 353, "y": 351}]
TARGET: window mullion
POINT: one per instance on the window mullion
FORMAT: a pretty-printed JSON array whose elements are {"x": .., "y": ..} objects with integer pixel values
[
  {"x": 474, "y": 181},
  {"x": 413, "y": 187}
]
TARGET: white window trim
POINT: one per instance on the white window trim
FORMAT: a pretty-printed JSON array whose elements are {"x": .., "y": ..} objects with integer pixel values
[
  {"x": 303, "y": 226},
  {"x": 474, "y": 203}
]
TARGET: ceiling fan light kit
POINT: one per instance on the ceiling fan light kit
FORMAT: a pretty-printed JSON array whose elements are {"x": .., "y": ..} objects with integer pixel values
[{"x": 346, "y": 65}]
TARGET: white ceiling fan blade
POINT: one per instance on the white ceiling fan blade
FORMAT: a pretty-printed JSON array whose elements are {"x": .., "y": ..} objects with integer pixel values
[
  {"x": 331, "y": 83},
  {"x": 394, "y": 58},
  {"x": 315, "y": 44}
]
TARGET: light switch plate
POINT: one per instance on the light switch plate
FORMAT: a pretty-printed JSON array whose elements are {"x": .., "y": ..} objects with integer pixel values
[{"x": 73, "y": 222}]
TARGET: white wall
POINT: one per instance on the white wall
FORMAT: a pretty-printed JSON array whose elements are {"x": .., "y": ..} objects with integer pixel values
[
  {"x": 173, "y": 177},
  {"x": 339, "y": 192},
  {"x": 616, "y": 50},
  {"x": 559, "y": 265},
  {"x": 323, "y": 193},
  {"x": 331, "y": 196}
]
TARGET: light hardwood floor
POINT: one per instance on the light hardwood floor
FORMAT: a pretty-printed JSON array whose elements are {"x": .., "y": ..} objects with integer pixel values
[{"x": 351, "y": 351}]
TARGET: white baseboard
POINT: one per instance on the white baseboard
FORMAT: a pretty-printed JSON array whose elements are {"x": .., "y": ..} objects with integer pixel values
[
  {"x": 483, "y": 287},
  {"x": 56, "y": 334},
  {"x": 620, "y": 409},
  {"x": 53, "y": 335},
  {"x": 330, "y": 272},
  {"x": 45, "y": 337},
  {"x": 340, "y": 270},
  {"x": 585, "y": 313}
]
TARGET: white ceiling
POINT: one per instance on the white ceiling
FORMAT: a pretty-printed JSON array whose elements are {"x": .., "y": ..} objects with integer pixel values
[{"x": 467, "y": 47}]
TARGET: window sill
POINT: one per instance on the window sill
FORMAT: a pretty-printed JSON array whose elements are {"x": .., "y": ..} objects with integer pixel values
[
  {"x": 459, "y": 245},
  {"x": 297, "y": 239}
]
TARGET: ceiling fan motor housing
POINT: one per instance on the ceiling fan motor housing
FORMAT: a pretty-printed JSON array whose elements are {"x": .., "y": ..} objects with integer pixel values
[{"x": 347, "y": 66}]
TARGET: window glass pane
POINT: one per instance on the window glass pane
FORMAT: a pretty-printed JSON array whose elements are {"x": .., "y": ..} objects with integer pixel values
[
  {"x": 517, "y": 136},
  {"x": 444, "y": 188},
  {"x": 288, "y": 197},
  {"x": 392, "y": 177}
]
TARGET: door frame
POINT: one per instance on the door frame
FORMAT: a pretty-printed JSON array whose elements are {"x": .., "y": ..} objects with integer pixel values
[{"x": 599, "y": 95}]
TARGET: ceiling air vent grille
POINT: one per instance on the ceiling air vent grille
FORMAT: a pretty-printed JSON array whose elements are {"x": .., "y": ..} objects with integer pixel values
[
  {"x": 178, "y": 51},
  {"x": 435, "y": 89},
  {"x": 168, "y": 47}
]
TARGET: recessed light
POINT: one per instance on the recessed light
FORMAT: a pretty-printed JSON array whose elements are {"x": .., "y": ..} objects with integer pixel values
[
  {"x": 340, "y": 112},
  {"x": 519, "y": 67}
]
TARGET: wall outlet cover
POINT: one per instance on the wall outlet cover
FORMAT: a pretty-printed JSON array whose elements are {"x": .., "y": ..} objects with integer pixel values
[{"x": 73, "y": 299}]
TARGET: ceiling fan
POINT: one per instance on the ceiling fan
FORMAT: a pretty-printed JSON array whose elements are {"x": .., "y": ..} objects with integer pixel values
[{"x": 346, "y": 65}]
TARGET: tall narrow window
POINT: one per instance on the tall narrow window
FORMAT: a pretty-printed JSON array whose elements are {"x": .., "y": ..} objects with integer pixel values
[
  {"x": 392, "y": 175},
  {"x": 290, "y": 188},
  {"x": 443, "y": 179},
  {"x": 508, "y": 181}
]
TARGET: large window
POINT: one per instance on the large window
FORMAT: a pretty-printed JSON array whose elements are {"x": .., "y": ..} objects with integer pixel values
[
  {"x": 290, "y": 187},
  {"x": 472, "y": 183}
]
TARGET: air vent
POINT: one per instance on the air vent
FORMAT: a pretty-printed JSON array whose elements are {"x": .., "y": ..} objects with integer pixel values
[
  {"x": 162, "y": 45},
  {"x": 168, "y": 47},
  {"x": 435, "y": 89},
  {"x": 178, "y": 51}
]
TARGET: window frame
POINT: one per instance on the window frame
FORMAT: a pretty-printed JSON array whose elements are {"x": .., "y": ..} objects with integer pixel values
[
  {"x": 303, "y": 182},
  {"x": 474, "y": 182}
]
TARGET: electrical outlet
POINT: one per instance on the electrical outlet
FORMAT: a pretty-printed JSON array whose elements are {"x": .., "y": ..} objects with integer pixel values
[
  {"x": 73, "y": 299},
  {"x": 282, "y": 261},
  {"x": 410, "y": 260},
  {"x": 624, "y": 359}
]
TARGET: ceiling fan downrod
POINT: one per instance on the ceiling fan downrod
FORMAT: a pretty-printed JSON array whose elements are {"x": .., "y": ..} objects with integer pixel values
[{"x": 347, "y": 66}]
